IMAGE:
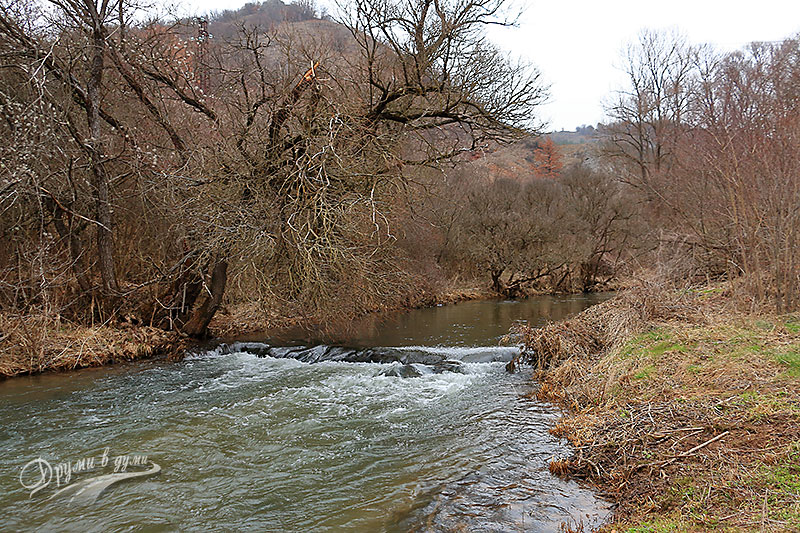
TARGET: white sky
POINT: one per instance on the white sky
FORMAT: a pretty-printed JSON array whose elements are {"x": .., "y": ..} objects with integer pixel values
[{"x": 577, "y": 44}]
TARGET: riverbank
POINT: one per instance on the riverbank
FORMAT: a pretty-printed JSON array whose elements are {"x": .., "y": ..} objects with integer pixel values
[
  {"x": 250, "y": 318},
  {"x": 32, "y": 344},
  {"x": 683, "y": 411}
]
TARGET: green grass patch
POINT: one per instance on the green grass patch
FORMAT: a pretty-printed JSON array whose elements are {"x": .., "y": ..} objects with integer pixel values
[
  {"x": 656, "y": 334},
  {"x": 660, "y": 525},
  {"x": 785, "y": 475},
  {"x": 791, "y": 360},
  {"x": 781, "y": 482},
  {"x": 645, "y": 372},
  {"x": 661, "y": 348},
  {"x": 762, "y": 406},
  {"x": 655, "y": 342},
  {"x": 748, "y": 398}
]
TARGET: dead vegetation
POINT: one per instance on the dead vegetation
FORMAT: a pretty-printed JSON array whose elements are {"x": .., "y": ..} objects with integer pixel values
[
  {"x": 34, "y": 344},
  {"x": 684, "y": 412}
]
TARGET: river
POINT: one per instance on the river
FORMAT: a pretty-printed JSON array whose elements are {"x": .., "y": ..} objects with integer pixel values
[{"x": 291, "y": 436}]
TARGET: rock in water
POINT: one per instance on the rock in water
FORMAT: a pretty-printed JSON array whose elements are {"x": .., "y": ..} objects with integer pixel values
[
  {"x": 449, "y": 365},
  {"x": 402, "y": 371},
  {"x": 415, "y": 370}
]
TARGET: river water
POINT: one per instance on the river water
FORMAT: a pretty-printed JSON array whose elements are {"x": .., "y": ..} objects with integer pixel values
[{"x": 251, "y": 436}]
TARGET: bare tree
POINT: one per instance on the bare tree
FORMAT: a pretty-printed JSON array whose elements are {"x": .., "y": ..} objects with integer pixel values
[
  {"x": 273, "y": 162},
  {"x": 70, "y": 84},
  {"x": 713, "y": 138},
  {"x": 648, "y": 116},
  {"x": 429, "y": 67}
]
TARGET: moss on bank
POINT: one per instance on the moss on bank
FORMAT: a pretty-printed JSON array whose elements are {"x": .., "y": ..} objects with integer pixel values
[{"x": 683, "y": 411}]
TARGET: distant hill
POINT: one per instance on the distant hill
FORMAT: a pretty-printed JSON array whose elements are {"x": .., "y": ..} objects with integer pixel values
[
  {"x": 515, "y": 161},
  {"x": 581, "y": 135},
  {"x": 224, "y": 24},
  {"x": 518, "y": 161}
]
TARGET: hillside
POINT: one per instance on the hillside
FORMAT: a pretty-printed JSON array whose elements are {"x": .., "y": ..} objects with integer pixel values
[{"x": 519, "y": 159}]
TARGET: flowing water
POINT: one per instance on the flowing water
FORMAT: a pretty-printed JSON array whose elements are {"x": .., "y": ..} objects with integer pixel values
[{"x": 251, "y": 436}]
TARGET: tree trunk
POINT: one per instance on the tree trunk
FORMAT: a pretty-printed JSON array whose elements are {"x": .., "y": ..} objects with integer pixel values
[
  {"x": 99, "y": 178},
  {"x": 497, "y": 284},
  {"x": 75, "y": 250},
  {"x": 197, "y": 326}
]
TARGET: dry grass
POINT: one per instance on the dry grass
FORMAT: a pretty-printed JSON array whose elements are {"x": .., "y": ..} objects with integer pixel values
[
  {"x": 559, "y": 467},
  {"x": 683, "y": 411},
  {"x": 252, "y": 317},
  {"x": 457, "y": 293},
  {"x": 37, "y": 343}
]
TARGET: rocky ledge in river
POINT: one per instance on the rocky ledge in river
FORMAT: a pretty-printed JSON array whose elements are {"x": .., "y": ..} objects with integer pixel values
[{"x": 411, "y": 359}]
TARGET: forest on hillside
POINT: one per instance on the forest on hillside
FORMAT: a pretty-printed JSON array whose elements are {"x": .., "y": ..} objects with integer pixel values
[{"x": 157, "y": 169}]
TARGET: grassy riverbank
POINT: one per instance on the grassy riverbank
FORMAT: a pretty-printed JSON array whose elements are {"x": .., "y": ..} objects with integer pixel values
[{"x": 682, "y": 410}]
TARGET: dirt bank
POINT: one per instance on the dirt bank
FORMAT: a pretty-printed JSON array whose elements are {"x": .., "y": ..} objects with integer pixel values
[{"x": 682, "y": 410}]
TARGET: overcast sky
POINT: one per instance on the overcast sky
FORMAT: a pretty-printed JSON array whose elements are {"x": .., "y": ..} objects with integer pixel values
[{"x": 577, "y": 44}]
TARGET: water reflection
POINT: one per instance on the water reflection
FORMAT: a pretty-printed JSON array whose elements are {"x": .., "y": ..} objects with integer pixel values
[{"x": 476, "y": 323}]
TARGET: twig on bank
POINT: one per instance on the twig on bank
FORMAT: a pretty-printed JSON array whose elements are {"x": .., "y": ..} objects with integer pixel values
[
  {"x": 692, "y": 434},
  {"x": 701, "y": 446},
  {"x": 697, "y": 448}
]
